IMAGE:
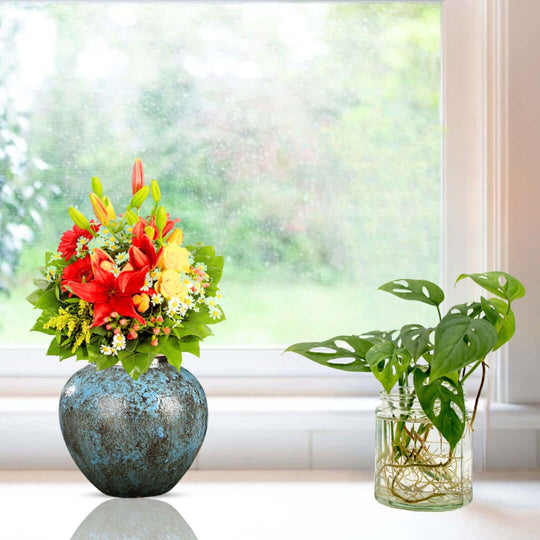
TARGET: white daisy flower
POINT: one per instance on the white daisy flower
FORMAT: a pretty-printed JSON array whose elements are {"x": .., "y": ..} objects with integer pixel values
[
  {"x": 173, "y": 305},
  {"x": 55, "y": 257},
  {"x": 202, "y": 266},
  {"x": 107, "y": 351},
  {"x": 157, "y": 299},
  {"x": 211, "y": 302},
  {"x": 121, "y": 258},
  {"x": 219, "y": 295},
  {"x": 215, "y": 313},
  {"x": 186, "y": 280},
  {"x": 115, "y": 270},
  {"x": 148, "y": 282},
  {"x": 188, "y": 302},
  {"x": 82, "y": 243},
  {"x": 51, "y": 273},
  {"x": 119, "y": 342}
]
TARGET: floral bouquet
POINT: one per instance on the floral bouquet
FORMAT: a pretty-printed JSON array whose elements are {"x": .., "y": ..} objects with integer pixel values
[{"x": 123, "y": 289}]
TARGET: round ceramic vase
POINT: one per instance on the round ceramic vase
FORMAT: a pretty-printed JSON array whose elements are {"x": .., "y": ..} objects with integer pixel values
[{"x": 133, "y": 438}]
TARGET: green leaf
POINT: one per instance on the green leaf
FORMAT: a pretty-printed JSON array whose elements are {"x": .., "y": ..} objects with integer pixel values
[
  {"x": 376, "y": 336},
  {"x": 460, "y": 341},
  {"x": 490, "y": 311},
  {"x": 192, "y": 347},
  {"x": 137, "y": 363},
  {"x": 415, "y": 338},
  {"x": 48, "y": 301},
  {"x": 471, "y": 310},
  {"x": 354, "y": 351},
  {"x": 388, "y": 363},
  {"x": 502, "y": 317},
  {"x": 444, "y": 404},
  {"x": 34, "y": 297},
  {"x": 172, "y": 349},
  {"x": 415, "y": 289},
  {"x": 41, "y": 284},
  {"x": 54, "y": 348},
  {"x": 499, "y": 283},
  {"x": 192, "y": 327}
]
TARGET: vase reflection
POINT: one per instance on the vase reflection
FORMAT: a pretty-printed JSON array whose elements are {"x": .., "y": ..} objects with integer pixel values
[{"x": 134, "y": 519}]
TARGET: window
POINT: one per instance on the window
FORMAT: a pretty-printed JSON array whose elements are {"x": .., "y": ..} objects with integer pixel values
[{"x": 303, "y": 140}]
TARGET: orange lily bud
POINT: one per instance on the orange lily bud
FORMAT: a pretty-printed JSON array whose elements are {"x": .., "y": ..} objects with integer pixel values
[
  {"x": 176, "y": 237},
  {"x": 99, "y": 209},
  {"x": 141, "y": 302},
  {"x": 137, "y": 176}
]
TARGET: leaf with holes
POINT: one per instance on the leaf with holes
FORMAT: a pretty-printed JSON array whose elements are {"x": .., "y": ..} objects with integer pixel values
[
  {"x": 444, "y": 404},
  {"x": 376, "y": 336},
  {"x": 388, "y": 363},
  {"x": 415, "y": 338},
  {"x": 352, "y": 348},
  {"x": 460, "y": 341},
  {"x": 501, "y": 316},
  {"x": 415, "y": 289},
  {"x": 500, "y": 283},
  {"x": 471, "y": 310}
]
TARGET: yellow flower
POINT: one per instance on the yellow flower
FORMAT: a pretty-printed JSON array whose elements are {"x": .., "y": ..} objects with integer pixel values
[
  {"x": 176, "y": 237},
  {"x": 141, "y": 302},
  {"x": 170, "y": 284},
  {"x": 175, "y": 257}
]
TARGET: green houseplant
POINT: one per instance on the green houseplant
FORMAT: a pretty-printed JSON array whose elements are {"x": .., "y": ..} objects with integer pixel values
[{"x": 423, "y": 431}]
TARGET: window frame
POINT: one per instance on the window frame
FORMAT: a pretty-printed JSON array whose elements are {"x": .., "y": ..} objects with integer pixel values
[{"x": 465, "y": 41}]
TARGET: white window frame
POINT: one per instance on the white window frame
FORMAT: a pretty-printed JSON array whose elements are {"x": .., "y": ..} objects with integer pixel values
[{"x": 474, "y": 150}]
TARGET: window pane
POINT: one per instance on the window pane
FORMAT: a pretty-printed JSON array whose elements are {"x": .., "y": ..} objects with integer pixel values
[{"x": 302, "y": 140}]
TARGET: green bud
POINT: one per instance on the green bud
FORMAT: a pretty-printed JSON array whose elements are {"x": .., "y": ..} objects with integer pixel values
[
  {"x": 97, "y": 188},
  {"x": 131, "y": 217},
  {"x": 79, "y": 219},
  {"x": 139, "y": 197},
  {"x": 156, "y": 192},
  {"x": 161, "y": 218}
]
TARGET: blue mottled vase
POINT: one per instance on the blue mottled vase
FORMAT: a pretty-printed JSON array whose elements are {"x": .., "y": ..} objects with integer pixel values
[{"x": 133, "y": 438}]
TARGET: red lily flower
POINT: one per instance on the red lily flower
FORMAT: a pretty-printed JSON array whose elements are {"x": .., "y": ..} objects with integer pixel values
[
  {"x": 68, "y": 241},
  {"x": 109, "y": 293},
  {"x": 169, "y": 224},
  {"x": 79, "y": 271},
  {"x": 142, "y": 253}
]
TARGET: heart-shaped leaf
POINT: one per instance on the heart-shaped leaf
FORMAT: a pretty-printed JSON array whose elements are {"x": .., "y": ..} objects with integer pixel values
[
  {"x": 500, "y": 283},
  {"x": 415, "y": 338},
  {"x": 444, "y": 404},
  {"x": 415, "y": 289},
  {"x": 460, "y": 341},
  {"x": 501, "y": 316},
  {"x": 326, "y": 352},
  {"x": 136, "y": 363},
  {"x": 388, "y": 363}
]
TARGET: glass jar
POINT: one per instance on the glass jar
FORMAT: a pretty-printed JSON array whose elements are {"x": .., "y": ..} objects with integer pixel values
[{"x": 415, "y": 468}]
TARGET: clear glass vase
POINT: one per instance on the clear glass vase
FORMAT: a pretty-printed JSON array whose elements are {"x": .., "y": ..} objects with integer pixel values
[{"x": 414, "y": 466}]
